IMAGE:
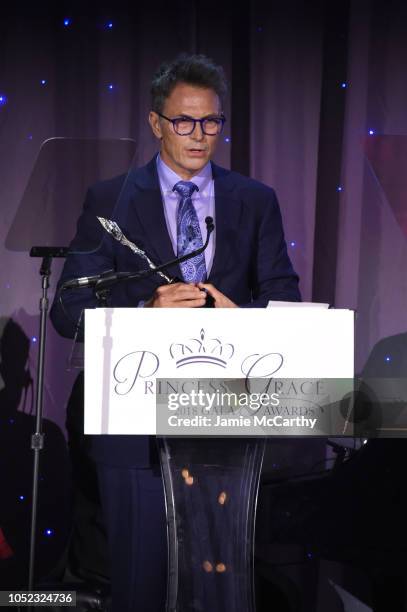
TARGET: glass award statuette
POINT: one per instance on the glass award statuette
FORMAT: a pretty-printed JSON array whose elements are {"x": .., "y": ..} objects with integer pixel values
[{"x": 116, "y": 232}]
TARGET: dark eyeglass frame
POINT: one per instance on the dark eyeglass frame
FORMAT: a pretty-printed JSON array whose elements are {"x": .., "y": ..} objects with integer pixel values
[{"x": 221, "y": 118}]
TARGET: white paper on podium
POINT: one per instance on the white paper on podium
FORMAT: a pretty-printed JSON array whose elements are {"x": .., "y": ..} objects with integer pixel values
[
  {"x": 279, "y": 304},
  {"x": 126, "y": 349}
]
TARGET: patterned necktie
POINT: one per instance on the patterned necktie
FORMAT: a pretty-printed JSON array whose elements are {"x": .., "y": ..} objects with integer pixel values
[{"x": 189, "y": 236}]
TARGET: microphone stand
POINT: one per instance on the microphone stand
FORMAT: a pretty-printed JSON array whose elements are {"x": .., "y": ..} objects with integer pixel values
[{"x": 37, "y": 439}]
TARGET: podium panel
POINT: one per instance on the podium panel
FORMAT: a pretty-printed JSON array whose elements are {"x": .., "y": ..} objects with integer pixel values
[
  {"x": 130, "y": 351},
  {"x": 211, "y": 493}
]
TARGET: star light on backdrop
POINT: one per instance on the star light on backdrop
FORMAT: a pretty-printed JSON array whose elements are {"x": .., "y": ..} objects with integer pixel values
[
  {"x": 3, "y": 99},
  {"x": 67, "y": 22}
]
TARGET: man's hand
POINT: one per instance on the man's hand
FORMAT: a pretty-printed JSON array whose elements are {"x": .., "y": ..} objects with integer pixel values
[
  {"x": 221, "y": 301},
  {"x": 177, "y": 295}
]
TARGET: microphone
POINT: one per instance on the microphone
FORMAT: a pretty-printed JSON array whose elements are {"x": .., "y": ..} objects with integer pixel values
[
  {"x": 209, "y": 224},
  {"x": 85, "y": 281}
]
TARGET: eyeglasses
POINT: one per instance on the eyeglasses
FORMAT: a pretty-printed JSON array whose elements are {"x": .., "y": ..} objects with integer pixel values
[{"x": 183, "y": 126}]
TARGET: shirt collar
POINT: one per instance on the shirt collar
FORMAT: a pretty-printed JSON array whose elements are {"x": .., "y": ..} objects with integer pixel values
[{"x": 168, "y": 178}]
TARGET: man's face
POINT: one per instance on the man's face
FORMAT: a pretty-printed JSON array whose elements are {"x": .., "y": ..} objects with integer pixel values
[{"x": 186, "y": 155}]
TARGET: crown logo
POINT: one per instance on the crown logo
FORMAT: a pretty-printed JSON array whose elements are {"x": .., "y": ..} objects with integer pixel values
[{"x": 202, "y": 350}]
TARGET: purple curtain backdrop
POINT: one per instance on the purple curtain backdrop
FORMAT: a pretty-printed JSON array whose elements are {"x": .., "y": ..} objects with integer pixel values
[{"x": 373, "y": 248}]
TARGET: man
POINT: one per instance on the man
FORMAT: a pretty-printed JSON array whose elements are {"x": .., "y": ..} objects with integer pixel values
[{"x": 162, "y": 208}]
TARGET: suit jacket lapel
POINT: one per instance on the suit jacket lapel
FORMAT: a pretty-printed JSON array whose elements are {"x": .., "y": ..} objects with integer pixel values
[
  {"x": 227, "y": 217},
  {"x": 149, "y": 209}
]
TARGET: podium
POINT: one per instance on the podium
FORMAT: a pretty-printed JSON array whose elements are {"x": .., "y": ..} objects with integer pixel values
[{"x": 164, "y": 372}]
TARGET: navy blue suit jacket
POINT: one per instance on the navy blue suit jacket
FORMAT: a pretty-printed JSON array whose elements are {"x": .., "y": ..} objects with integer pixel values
[{"x": 251, "y": 265}]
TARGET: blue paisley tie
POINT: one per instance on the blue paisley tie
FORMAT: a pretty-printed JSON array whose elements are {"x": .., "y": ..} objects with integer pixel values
[{"x": 189, "y": 236}]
